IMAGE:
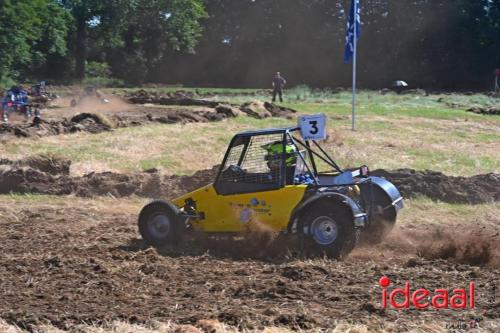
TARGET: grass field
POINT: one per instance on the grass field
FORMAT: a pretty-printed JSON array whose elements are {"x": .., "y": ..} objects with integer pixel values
[{"x": 393, "y": 131}]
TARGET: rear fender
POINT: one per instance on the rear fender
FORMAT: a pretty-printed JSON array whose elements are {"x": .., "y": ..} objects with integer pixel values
[
  {"x": 359, "y": 217},
  {"x": 380, "y": 194}
]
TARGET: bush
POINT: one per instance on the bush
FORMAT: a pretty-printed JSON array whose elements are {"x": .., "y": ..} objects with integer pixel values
[
  {"x": 6, "y": 83},
  {"x": 97, "y": 69}
]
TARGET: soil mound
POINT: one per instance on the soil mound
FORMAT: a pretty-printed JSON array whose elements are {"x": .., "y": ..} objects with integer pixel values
[
  {"x": 145, "y": 184},
  {"x": 280, "y": 111},
  {"x": 174, "y": 98},
  {"x": 181, "y": 94},
  {"x": 485, "y": 110},
  {"x": 261, "y": 110},
  {"x": 85, "y": 122},
  {"x": 50, "y": 175},
  {"x": 97, "y": 123},
  {"x": 44, "y": 163},
  {"x": 256, "y": 109},
  {"x": 472, "y": 190},
  {"x": 97, "y": 118},
  {"x": 189, "y": 116}
]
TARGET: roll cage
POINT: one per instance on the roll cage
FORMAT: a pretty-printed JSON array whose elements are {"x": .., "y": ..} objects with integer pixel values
[{"x": 243, "y": 169}]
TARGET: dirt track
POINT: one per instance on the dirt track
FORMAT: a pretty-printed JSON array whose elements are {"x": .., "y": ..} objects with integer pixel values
[
  {"x": 76, "y": 261},
  {"x": 94, "y": 117},
  {"x": 102, "y": 121}
]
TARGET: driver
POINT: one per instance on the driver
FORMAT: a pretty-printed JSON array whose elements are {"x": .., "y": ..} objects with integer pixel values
[{"x": 274, "y": 156}]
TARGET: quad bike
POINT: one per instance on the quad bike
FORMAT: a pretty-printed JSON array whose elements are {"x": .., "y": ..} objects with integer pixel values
[
  {"x": 271, "y": 176},
  {"x": 17, "y": 104},
  {"x": 89, "y": 93},
  {"x": 38, "y": 94},
  {"x": 27, "y": 110}
]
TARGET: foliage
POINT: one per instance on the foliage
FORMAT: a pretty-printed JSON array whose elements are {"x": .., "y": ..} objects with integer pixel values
[
  {"x": 97, "y": 69},
  {"x": 433, "y": 44},
  {"x": 100, "y": 81},
  {"x": 154, "y": 29},
  {"x": 30, "y": 31}
]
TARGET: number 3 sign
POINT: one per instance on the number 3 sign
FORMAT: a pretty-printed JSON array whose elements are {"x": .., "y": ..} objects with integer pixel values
[{"x": 313, "y": 127}]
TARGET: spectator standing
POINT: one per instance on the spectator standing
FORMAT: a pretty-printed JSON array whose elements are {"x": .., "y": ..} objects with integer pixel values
[{"x": 278, "y": 85}]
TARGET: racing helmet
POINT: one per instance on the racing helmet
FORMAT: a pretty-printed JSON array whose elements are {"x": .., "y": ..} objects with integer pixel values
[{"x": 275, "y": 151}]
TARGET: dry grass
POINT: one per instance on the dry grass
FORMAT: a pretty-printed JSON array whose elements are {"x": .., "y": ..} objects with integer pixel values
[
  {"x": 216, "y": 327},
  {"x": 425, "y": 211},
  {"x": 454, "y": 147},
  {"x": 394, "y": 131}
]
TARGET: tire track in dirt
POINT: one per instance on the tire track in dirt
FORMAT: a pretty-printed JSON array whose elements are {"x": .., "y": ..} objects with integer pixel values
[{"x": 68, "y": 264}]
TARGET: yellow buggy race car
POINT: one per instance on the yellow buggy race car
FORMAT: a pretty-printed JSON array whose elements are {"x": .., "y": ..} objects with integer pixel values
[{"x": 271, "y": 177}]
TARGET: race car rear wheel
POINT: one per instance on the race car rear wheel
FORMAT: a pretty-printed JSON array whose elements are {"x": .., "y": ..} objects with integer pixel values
[
  {"x": 159, "y": 224},
  {"x": 329, "y": 230}
]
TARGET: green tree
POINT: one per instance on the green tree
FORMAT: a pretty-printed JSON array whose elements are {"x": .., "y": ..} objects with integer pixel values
[
  {"x": 30, "y": 31},
  {"x": 83, "y": 12},
  {"x": 153, "y": 29}
]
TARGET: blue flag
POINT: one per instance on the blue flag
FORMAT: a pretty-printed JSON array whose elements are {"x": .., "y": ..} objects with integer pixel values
[{"x": 349, "y": 34}]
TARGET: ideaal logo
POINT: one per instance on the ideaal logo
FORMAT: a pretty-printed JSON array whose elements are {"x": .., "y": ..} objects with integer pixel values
[{"x": 459, "y": 298}]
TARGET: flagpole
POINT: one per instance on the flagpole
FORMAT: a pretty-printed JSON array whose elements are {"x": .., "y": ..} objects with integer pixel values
[{"x": 355, "y": 42}]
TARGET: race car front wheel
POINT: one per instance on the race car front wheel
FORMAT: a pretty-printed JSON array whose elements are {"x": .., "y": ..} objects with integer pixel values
[
  {"x": 159, "y": 224},
  {"x": 328, "y": 230}
]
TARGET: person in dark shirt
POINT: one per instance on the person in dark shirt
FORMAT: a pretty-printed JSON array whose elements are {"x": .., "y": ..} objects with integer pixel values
[{"x": 278, "y": 84}]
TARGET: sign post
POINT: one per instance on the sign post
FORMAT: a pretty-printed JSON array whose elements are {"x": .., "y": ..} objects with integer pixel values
[
  {"x": 497, "y": 84},
  {"x": 351, "y": 40},
  {"x": 355, "y": 13}
]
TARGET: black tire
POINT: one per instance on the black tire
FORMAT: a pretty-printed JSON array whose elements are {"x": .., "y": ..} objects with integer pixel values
[
  {"x": 328, "y": 228},
  {"x": 159, "y": 224}
]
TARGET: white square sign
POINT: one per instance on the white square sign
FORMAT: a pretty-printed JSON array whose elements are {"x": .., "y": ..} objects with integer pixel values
[{"x": 313, "y": 127}]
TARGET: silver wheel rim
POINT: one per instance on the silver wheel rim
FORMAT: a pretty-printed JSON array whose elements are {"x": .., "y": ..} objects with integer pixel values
[
  {"x": 324, "y": 230},
  {"x": 159, "y": 225}
]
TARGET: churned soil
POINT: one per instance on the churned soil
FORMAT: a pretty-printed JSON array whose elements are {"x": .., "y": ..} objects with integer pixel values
[
  {"x": 76, "y": 261},
  {"x": 71, "y": 260},
  {"x": 485, "y": 110},
  {"x": 142, "y": 96},
  {"x": 436, "y": 185},
  {"x": 92, "y": 116},
  {"x": 96, "y": 122},
  {"x": 50, "y": 175}
]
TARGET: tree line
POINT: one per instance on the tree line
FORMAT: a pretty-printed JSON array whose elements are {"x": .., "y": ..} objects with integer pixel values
[{"x": 435, "y": 44}]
